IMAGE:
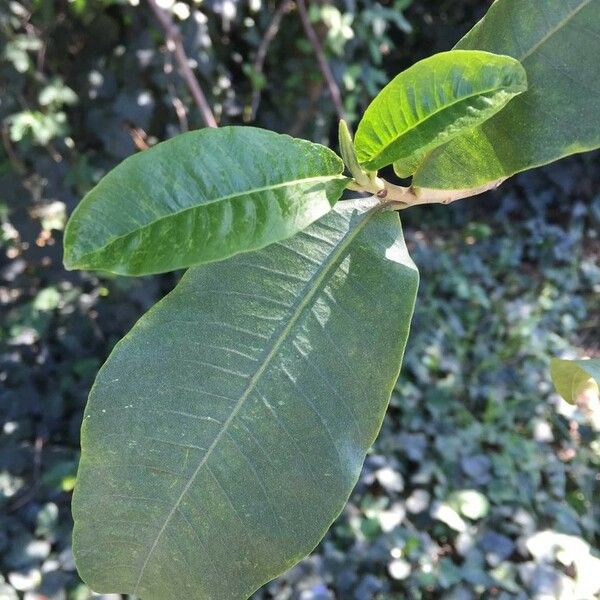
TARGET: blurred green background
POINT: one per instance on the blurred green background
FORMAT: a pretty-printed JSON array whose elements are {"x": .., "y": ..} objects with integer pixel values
[{"x": 483, "y": 483}]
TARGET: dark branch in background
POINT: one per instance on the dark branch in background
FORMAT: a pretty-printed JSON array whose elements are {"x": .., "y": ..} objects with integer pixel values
[
  {"x": 180, "y": 111},
  {"x": 30, "y": 493},
  {"x": 175, "y": 44},
  {"x": 138, "y": 136},
  {"x": 18, "y": 166},
  {"x": 261, "y": 53},
  {"x": 311, "y": 34},
  {"x": 313, "y": 93}
]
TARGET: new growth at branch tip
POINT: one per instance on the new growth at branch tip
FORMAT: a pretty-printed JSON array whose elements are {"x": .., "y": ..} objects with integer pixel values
[
  {"x": 368, "y": 181},
  {"x": 397, "y": 197}
]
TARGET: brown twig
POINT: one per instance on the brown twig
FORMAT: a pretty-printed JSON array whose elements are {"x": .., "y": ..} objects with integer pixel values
[
  {"x": 55, "y": 155},
  {"x": 18, "y": 166},
  {"x": 180, "y": 109},
  {"x": 138, "y": 136},
  {"x": 175, "y": 44},
  {"x": 313, "y": 93},
  {"x": 311, "y": 34},
  {"x": 261, "y": 52},
  {"x": 398, "y": 197}
]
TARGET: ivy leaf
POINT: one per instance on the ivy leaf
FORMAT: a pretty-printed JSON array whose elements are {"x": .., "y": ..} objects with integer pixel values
[
  {"x": 572, "y": 378},
  {"x": 200, "y": 197},
  {"x": 226, "y": 431},
  {"x": 558, "y": 43},
  {"x": 433, "y": 101}
]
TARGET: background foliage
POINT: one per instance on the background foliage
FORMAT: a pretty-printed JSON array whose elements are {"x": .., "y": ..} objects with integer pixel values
[{"x": 480, "y": 471}]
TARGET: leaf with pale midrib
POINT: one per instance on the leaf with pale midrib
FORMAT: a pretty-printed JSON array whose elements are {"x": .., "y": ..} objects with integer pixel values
[
  {"x": 558, "y": 43},
  {"x": 433, "y": 101},
  {"x": 572, "y": 377},
  {"x": 200, "y": 197},
  {"x": 226, "y": 431}
]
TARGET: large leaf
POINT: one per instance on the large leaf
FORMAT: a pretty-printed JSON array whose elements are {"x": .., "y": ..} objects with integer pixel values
[
  {"x": 227, "y": 429},
  {"x": 558, "y": 43},
  {"x": 433, "y": 101},
  {"x": 571, "y": 378},
  {"x": 199, "y": 197}
]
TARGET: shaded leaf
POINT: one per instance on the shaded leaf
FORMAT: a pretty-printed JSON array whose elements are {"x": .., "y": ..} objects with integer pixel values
[
  {"x": 228, "y": 428},
  {"x": 558, "y": 43},
  {"x": 433, "y": 101},
  {"x": 200, "y": 197}
]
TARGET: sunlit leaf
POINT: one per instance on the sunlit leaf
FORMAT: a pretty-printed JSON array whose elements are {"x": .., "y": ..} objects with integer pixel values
[
  {"x": 200, "y": 197},
  {"x": 433, "y": 101},
  {"x": 571, "y": 378},
  {"x": 558, "y": 43}
]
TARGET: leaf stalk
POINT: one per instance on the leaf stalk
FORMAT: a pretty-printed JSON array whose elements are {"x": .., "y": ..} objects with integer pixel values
[{"x": 404, "y": 197}]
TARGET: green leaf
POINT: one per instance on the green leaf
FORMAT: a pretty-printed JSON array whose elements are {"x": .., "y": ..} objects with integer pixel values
[
  {"x": 226, "y": 431},
  {"x": 571, "y": 378},
  {"x": 200, "y": 197},
  {"x": 431, "y": 102},
  {"x": 558, "y": 43},
  {"x": 469, "y": 503},
  {"x": 349, "y": 155}
]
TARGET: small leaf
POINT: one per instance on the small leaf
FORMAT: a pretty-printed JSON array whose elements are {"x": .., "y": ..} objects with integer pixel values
[
  {"x": 349, "y": 155},
  {"x": 226, "y": 431},
  {"x": 200, "y": 197},
  {"x": 447, "y": 514},
  {"x": 469, "y": 503},
  {"x": 572, "y": 378},
  {"x": 432, "y": 102},
  {"x": 558, "y": 43}
]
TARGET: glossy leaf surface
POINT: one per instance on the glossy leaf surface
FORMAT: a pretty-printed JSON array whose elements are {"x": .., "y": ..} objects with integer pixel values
[
  {"x": 558, "y": 43},
  {"x": 200, "y": 197},
  {"x": 226, "y": 431},
  {"x": 431, "y": 102},
  {"x": 573, "y": 377}
]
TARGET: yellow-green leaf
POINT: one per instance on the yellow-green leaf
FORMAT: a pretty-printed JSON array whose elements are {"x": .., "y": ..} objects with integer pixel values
[
  {"x": 571, "y": 378},
  {"x": 431, "y": 102},
  {"x": 558, "y": 43}
]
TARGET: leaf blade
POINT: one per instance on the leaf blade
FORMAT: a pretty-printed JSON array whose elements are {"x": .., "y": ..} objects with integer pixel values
[
  {"x": 557, "y": 44},
  {"x": 572, "y": 377},
  {"x": 416, "y": 112},
  {"x": 200, "y": 197},
  {"x": 275, "y": 385}
]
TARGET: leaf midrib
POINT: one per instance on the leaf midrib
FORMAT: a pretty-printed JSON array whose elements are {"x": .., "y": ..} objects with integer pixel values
[
  {"x": 82, "y": 257},
  {"x": 551, "y": 32},
  {"x": 554, "y": 30},
  {"x": 308, "y": 293},
  {"x": 431, "y": 115}
]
